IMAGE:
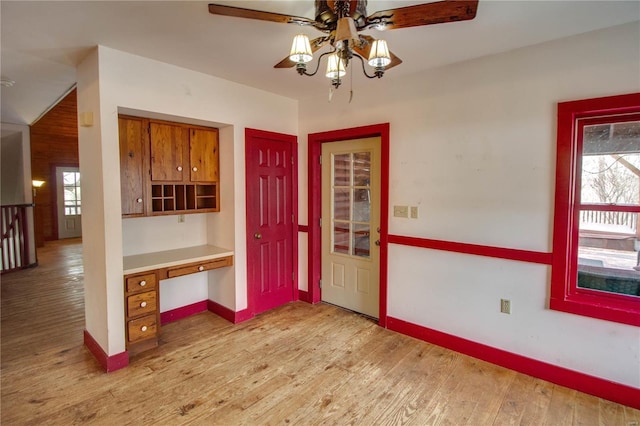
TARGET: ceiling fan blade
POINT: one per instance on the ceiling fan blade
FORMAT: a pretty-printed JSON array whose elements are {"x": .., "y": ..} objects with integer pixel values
[
  {"x": 424, "y": 14},
  {"x": 239, "y": 12},
  {"x": 316, "y": 44},
  {"x": 364, "y": 50}
]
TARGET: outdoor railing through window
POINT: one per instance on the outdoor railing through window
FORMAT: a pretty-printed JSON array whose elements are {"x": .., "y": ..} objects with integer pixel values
[{"x": 626, "y": 221}]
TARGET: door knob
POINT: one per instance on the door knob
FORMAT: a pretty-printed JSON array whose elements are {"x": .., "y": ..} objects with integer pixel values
[
  {"x": 377, "y": 242},
  {"x": 257, "y": 235}
]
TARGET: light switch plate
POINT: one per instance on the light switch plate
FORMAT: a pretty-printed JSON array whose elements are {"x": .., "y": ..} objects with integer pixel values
[
  {"x": 414, "y": 212},
  {"x": 401, "y": 211}
]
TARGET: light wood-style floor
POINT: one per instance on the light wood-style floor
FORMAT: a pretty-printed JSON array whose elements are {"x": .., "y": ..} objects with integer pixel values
[{"x": 297, "y": 365}]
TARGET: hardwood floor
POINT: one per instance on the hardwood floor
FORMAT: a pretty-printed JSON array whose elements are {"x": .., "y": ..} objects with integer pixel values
[{"x": 298, "y": 364}]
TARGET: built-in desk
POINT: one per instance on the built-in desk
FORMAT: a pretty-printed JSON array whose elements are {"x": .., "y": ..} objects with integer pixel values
[{"x": 142, "y": 273}]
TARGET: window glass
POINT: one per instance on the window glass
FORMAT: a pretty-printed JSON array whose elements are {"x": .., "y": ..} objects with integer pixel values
[
  {"x": 351, "y": 198},
  {"x": 71, "y": 193},
  {"x": 608, "y": 241}
]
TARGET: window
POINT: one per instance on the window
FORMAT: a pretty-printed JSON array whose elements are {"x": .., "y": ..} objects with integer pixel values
[
  {"x": 351, "y": 203},
  {"x": 71, "y": 182},
  {"x": 596, "y": 242}
]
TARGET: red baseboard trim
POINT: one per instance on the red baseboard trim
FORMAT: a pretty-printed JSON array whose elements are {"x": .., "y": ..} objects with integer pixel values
[
  {"x": 304, "y": 296},
  {"x": 612, "y": 391},
  {"x": 182, "y": 312},
  {"x": 479, "y": 250},
  {"x": 228, "y": 314},
  {"x": 108, "y": 363}
]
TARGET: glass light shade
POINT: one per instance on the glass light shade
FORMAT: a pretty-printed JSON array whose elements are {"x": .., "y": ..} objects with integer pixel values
[
  {"x": 379, "y": 55},
  {"x": 335, "y": 67},
  {"x": 37, "y": 183},
  {"x": 301, "y": 49}
]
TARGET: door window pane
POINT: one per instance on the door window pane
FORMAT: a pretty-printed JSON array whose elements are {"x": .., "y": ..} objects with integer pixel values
[
  {"x": 341, "y": 203},
  {"x": 341, "y": 237},
  {"x": 71, "y": 193},
  {"x": 361, "y": 240},
  {"x": 351, "y": 198}
]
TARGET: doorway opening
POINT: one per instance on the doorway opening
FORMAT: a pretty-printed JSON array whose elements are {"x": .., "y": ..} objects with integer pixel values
[
  {"x": 316, "y": 203},
  {"x": 69, "y": 202}
]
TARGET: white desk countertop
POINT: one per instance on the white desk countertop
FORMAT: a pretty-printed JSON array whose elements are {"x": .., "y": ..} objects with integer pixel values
[{"x": 164, "y": 259}]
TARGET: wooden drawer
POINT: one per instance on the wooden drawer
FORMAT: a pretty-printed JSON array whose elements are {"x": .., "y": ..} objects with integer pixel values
[
  {"x": 142, "y": 328},
  {"x": 206, "y": 265},
  {"x": 142, "y": 303},
  {"x": 137, "y": 283}
]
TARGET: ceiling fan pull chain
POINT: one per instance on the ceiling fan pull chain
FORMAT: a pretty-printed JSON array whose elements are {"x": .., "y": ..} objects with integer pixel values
[{"x": 351, "y": 85}]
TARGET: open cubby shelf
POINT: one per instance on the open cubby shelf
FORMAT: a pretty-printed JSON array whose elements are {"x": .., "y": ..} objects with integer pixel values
[{"x": 172, "y": 198}]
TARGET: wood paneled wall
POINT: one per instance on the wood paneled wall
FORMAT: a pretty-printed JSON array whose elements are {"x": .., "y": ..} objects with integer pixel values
[{"x": 54, "y": 142}]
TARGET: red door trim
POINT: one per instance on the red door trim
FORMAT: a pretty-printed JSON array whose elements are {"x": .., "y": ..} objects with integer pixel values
[
  {"x": 250, "y": 134},
  {"x": 314, "y": 190}
]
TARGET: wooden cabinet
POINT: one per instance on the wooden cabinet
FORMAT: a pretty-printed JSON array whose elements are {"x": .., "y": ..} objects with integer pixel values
[
  {"x": 142, "y": 276},
  {"x": 184, "y": 168},
  {"x": 167, "y": 144},
  {"x": 142, "y": 311},
  {"x": 203, "y": 155},
  {"x": 132, "y": 165},
  {"x": 168, "y": 168}
]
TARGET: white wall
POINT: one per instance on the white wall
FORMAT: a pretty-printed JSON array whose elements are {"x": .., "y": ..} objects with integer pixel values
[
  {"x": 473, "y": 145},
  {"x": 127, "y": 83},
  {"x": 15, "y": 187}
]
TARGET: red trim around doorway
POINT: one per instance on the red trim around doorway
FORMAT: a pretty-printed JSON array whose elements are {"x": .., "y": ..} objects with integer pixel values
[{"x": 314, "y": 190}]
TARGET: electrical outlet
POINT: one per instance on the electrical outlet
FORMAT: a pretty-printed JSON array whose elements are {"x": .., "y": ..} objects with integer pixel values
[
  {"x": 414, "y": 212},
  {"x": 401, "y": 211},
  {"x": 180, "y": 218},
  {"x": 505, "y": 306}
]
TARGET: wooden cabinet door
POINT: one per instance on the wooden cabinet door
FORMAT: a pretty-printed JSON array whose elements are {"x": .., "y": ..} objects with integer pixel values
[
  {"x": 132, "y": 176},
  {"x": 168, "y": 143},
  {"x": 203, "y": 153}
]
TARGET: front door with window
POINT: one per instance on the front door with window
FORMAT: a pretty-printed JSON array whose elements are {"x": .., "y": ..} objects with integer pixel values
[
  {"x": 69, "y": 202},
  {"x": 351, "y": 224}
]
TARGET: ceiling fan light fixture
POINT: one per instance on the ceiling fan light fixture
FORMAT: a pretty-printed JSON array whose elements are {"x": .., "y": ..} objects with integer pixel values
[
  {"x": 335, "y": 67},
  {"x": 346, "y": 30},
  {"x": 301, "y": 50},
  {"x": 379, "y": 56}
]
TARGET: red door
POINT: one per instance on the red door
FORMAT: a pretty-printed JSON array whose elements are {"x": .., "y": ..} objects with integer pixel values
[{"x": 271, "y": 219}]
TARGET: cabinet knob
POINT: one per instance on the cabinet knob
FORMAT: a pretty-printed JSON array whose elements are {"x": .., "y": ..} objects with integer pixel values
[
  {"x": 138, "y": 200},
  {"x": 143, "y": 328},
  {"x": 179, "y": 168},
  {"x": 143, "y": 283},
  {"x": 195, "y": 169},
  {"x": 200, "y": 268},
  {"x": 143, "y": 304}
]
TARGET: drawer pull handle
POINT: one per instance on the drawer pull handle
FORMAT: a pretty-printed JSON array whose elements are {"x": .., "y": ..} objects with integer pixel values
[
  {"x": 143, "y": 304},
  {"x": 200, "y": 268},
  {"x": 143, "y": 328},
  {"x": 195, "y": 169},
  {"x": 143, "y": 283},
  {"x": 138, "y": 200},
  {"x": 179, "y": 168}
]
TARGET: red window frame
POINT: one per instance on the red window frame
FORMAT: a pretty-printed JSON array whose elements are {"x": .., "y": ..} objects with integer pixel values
[{"x": 566, "y": 296}]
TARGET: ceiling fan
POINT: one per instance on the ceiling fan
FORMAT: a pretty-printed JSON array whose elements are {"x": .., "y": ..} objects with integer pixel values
[{"x": 342, "y": 20}]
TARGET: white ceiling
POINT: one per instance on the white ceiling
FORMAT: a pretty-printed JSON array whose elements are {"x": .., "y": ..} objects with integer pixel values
[{"x": 42, "y": 42}]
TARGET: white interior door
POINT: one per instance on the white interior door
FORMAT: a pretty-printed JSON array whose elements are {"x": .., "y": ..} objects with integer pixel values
[
  {"x": 350, "y": 224},
  {"x": 69, "y": 202}
]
